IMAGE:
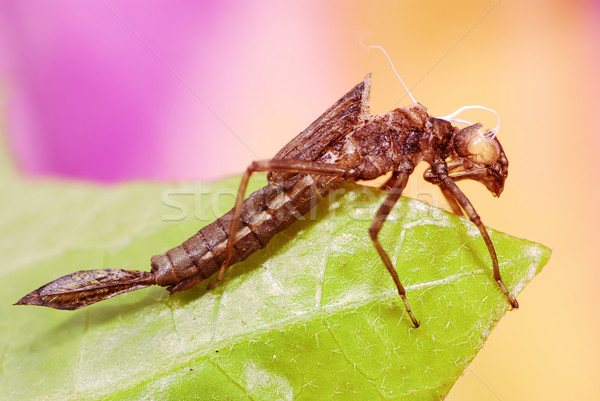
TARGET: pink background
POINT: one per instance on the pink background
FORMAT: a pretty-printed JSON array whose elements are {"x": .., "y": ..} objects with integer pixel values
[{"x": 111, "y": 91}]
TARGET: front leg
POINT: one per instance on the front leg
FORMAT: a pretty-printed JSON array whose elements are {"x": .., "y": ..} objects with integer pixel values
[
  {"x": 449, "y": 186},
  {"x": 451, "y": 201},
  {"x": 432, "y": 177}
]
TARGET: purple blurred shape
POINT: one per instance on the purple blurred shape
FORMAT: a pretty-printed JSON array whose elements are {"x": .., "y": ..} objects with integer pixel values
[{"x": 79, "y": 102}]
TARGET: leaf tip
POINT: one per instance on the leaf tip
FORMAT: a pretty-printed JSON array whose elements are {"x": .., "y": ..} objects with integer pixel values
[{"x": 540, "y": 254}]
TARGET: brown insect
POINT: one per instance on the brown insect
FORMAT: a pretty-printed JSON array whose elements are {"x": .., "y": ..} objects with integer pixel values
[{"x": 346, "y": 143}]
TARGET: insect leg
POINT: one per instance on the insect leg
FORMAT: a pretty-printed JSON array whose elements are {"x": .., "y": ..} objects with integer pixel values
[
  {"x": 279, "y": 165},
  {"x": 389, "y": 184},
  {"x": 447, "y": 183},
  {"x": 451, "y": 201},
  {"x": 434, "y": 178},
  {"x": 384, "y": 210}
]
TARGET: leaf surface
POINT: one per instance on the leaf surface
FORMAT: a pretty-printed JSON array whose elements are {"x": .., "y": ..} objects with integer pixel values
[{"x": 314, "y": 315}]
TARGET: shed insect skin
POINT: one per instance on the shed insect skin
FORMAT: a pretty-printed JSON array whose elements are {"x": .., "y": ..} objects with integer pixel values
[{"x": 346, "y": 143}]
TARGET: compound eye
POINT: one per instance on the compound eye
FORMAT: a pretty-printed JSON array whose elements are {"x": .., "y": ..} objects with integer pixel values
[
  {"x": 483, "y": 150},
  {"x": 473, "y": 145}
]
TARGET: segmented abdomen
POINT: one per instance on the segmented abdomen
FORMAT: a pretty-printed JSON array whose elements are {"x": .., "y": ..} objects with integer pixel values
[{"x": 265, "y": 212}]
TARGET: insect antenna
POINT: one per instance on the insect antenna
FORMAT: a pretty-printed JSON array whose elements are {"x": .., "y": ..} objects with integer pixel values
[{"x": 86, "y": 287}]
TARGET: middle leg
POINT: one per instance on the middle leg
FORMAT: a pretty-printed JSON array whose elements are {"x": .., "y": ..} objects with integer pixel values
[{"x": 384, "y": 210}]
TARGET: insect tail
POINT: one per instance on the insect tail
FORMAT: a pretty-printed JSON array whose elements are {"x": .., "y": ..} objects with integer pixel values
[{"x": 86, "y": 287}]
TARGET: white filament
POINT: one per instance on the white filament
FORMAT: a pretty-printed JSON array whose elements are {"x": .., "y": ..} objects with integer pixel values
[
  {"x": 490, "y": 134},
  {"x": 393, "y": 68}
]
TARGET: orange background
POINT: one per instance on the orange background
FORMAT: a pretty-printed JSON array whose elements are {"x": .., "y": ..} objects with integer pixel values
[{"x": 273, "y": 68}]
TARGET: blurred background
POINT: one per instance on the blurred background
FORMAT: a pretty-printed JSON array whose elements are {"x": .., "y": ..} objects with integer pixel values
[{"x": 111, "y": 91}]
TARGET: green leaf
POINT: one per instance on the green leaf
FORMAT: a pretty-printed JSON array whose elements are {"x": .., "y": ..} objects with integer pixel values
[{"x": 314, "y": 315}]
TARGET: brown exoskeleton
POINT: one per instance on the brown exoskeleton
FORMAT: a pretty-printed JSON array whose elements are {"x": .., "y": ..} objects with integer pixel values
[{"x": 346, "y": 143}]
